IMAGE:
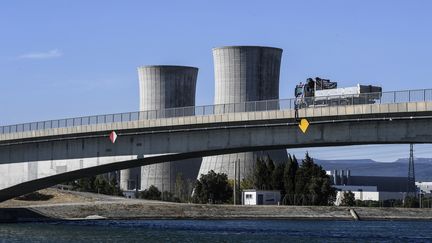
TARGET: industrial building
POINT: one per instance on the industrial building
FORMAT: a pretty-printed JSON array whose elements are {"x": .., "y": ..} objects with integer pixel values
[
  {"x": 242, "y": 74},
  {"x": 373, "y": 188},
  {"x": 424, "y": 187},
  {"x": 163, "y": 87},
  {"x": 367, "y": 193}
]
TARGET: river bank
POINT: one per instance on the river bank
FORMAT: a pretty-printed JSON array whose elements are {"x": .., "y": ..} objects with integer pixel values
[{"x": 67, "y": 205}]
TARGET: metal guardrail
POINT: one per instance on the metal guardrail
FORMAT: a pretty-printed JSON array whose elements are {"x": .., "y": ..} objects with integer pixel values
[{"x": 265, "y": 105}]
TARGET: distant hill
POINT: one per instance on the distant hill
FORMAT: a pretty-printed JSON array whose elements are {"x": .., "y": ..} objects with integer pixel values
[{"x": 368, "y": 167}]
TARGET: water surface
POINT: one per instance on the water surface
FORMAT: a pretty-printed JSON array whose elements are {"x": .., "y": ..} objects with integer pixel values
[{"x": 218, "y": 231}]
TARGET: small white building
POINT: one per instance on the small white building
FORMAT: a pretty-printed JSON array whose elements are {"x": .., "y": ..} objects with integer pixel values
[{"x": 260, "y": 197}]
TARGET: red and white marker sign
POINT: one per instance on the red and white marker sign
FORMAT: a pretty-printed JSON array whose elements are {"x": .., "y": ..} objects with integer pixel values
[{"x": 113, "y": 136}]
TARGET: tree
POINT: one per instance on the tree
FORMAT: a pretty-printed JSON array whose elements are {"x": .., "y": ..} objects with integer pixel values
[
  {"x": 190, "y": 185},
  {"x": 260, "y": 175},
  {"x": 310, "y": 186},
  {"x": 85, "y": 184},
  {"x": 411, "y": 202},
  {"x": 247, "y": 183},
  {"x": 97, "y": 184},
  {"x": 270, "y": 170},
  {"x": 277, "y": 182},
  {"x": 152, "y": 193},
  {"x": 270, "y": 165},
  {"x": 289, "y": 178},
  {"x": 169, "y": 197},
  {"x": 212, "y": 188},
  {"x": 263, "y": 172},
  {"x": 304, "y": 175},
  {"x": 180, "y": 188},
  {"x": 314, "y": 184},
  {"x": 348, "y": 199},
  {"x": 115, "y": 189}
]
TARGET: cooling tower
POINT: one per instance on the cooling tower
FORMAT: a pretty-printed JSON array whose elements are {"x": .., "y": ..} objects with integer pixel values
[
  {"x": 244, "y": 73},
  {"x": 163, "y": 87}
]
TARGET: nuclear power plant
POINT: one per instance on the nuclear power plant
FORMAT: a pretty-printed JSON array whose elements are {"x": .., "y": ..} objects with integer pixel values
[
  {"x": 246, "y": 73},
  {"x": 163, "y": 87},
  {"x": 242, "y": 74}
]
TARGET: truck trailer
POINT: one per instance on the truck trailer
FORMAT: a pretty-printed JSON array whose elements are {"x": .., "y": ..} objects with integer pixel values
[{"x": 323, "y": 92}]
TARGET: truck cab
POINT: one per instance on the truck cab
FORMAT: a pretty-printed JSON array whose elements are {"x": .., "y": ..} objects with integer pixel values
[{"x": 305, "y": 90}]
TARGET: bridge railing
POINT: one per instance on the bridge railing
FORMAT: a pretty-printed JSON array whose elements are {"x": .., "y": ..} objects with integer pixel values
[{"x": 265, "y": 105}]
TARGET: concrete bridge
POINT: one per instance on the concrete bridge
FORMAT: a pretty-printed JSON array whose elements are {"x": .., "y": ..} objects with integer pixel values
[{"x": 37, "y": 156}]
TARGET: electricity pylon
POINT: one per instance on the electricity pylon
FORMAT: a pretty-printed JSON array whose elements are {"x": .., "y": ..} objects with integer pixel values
[{"x": 411, "y": 188}]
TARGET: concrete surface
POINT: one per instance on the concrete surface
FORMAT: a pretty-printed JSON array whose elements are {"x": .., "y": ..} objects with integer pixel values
[
  {"x": 64, "y": 154},
  {"x": 163, "y": 87},
  {"x": 242, "y": 74}
]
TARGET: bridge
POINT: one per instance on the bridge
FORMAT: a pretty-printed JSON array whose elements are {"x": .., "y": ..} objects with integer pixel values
[{"x": 42, "y": 154}]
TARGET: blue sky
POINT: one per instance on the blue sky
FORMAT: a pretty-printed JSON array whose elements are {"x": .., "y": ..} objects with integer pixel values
[{"x": 62, "y": 58}]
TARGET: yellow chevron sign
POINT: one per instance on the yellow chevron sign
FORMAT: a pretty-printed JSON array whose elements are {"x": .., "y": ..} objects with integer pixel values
[{"x": 303, "y": 125}]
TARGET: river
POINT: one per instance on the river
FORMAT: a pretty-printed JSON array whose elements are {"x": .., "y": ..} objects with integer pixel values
[{"x": 218, "y": 231}]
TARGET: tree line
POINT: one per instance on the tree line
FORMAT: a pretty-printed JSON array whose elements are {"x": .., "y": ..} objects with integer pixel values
[
  {"x": 300, "y": 184},
  {"x": 97, "y": 184},
  {"x": 182, "y": 191}
]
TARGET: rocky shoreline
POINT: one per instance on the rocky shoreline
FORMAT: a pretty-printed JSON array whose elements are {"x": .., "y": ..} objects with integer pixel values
[
  {"x": 192, "y": 211},
  {"x": 85, "y": 206}
]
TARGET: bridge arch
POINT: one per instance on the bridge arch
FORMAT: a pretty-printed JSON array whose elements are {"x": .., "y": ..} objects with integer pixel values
[{"x": 181, "y": 143}]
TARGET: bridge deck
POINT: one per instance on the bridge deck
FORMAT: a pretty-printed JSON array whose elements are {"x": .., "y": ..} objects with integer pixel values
[{"x": 327, "y": 112}]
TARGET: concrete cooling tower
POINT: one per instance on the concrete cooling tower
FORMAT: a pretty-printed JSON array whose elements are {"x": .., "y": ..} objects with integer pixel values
[
  {"x": 163, "y": 87},
  {"x": 244, "y": 73}
]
